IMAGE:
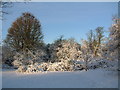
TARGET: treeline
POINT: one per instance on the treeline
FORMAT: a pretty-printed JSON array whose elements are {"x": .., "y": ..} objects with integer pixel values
[{"x": 24, "y": 47}]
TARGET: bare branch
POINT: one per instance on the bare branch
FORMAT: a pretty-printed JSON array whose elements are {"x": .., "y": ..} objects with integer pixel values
[{"x": 7, "y": 4}]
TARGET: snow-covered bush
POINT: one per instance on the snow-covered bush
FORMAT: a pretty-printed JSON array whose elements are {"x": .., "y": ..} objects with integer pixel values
[
  {"x": 28, "y": 58},
  {"x": 56, "y": 66},
  {"x": 22, "y": 68},
  {"x": 103, "y": 63},
  {"x": 60, "y": 66},
  {"x": 86, "y": 54},
  {"x": 98, "y": 64},
  {"x": 17, "y": 63},
  {"x": 63, "y": 49},
  {"x": 42, "y": 66},
  {"x": 18, "y": 60},
  {"x": 78, "y": 65},
  {"x": 7, "y": 55},
  {"x": 34, "y": 68}
]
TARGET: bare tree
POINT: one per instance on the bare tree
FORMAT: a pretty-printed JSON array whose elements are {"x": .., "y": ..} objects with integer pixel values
[
  {"x": 99, "y": 39},
  {"x": 95, "y": 39}
]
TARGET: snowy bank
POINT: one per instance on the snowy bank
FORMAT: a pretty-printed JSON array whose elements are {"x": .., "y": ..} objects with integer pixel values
[{"x": 97, "y": 78}]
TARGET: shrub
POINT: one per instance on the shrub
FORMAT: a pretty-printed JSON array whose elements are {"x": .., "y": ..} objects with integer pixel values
[
  {"x": 28, "y": 58},
  {"x": 63, "y": 49}
]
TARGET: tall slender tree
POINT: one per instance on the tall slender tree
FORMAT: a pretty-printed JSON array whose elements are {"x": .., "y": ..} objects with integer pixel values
[
  {"x": 114, "y": 42},
  {"x": 94, "y": 40},
  {"x": 98, "y": 39}
]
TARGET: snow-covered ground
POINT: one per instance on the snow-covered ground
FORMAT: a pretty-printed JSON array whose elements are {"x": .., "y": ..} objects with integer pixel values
[{"x": 98, "y": 78}]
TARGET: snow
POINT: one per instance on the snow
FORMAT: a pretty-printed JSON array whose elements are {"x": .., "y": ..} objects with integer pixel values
[{"x": 97, "y": 78}]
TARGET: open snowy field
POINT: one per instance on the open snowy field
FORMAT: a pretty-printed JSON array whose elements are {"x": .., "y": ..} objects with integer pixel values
[{"x": 80, "y": 79}]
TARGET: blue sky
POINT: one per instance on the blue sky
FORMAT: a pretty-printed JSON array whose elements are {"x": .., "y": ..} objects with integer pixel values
[{"x": 64, "y": 18}]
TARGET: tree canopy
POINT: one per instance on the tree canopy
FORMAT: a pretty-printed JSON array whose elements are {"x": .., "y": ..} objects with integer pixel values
[{"x": 25, "y": 33}]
